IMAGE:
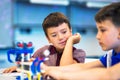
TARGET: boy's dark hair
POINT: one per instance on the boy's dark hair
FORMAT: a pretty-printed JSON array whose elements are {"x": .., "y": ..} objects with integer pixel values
[
  {"x": 54, "y": 19},
  {"x": 110, "y": 12}
]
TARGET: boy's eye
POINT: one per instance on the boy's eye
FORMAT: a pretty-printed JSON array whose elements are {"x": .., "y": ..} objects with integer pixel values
[
  {"x": 53, "y": 35},
  {"x": 64, "y": 32},
  {"x": 102, "y": 30}
]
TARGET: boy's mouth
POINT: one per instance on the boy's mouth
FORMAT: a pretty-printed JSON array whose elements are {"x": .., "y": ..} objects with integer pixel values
[
  {"x": 100, "y": 43},
  {"x": 62, "y": 43}
]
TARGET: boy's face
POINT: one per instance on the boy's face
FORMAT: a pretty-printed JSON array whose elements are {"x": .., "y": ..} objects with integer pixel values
[
  {"x": 58, "y": 36},
  {"x": 108, "y": 35}
]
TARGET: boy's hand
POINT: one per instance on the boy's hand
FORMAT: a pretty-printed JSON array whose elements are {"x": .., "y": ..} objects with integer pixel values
[
  {"x": 76, "y": 38},
  {"x": 10, "y": 70},
  {"x": 50, "y": 72}
]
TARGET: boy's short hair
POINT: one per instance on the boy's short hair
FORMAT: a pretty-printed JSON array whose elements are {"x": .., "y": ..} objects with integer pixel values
[
  {"x": 54, "y": 19},
  {"x": 110, "y": 12}
]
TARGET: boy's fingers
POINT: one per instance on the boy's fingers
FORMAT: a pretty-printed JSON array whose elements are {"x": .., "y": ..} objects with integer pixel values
[
  {"x": 76, "y": 38},
  {"x": 6, "y": 71}
]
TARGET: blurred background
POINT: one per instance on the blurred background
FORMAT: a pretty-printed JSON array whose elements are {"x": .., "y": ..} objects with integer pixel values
[{"x": 20, "y": 20}]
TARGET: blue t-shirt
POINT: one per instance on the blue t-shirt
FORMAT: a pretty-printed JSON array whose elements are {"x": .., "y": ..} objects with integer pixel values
[{"x": 115, "y": 58}]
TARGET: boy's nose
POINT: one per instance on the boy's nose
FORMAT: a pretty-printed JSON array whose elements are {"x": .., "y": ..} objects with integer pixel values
[
  {"x": 98, "y": 36},
  {"x": 60, "y": 36}
]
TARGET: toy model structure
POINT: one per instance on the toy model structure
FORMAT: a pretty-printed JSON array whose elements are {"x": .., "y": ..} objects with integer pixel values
[{"x": 25, "y": 65}]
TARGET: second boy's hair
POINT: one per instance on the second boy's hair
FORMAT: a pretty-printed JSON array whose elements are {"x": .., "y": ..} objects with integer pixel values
[
  {"x": 110, "y": 12},
  {"x": 53, "y": 20}
]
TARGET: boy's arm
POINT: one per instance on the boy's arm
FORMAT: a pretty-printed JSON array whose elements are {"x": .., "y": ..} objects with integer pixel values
[
  {"x": 74, "y": 67},
  {"x": 67, "y": 56},
  {"x": 77, "y": 71},
  {"x": 89, "y": 74},
  {"x": 98, "y": 73},
  {"x": 112, "y": 73},
  {"x": 80, "y": 66}
]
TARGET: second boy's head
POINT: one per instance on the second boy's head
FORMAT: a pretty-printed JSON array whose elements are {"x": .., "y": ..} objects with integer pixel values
[
  {"x": 108, "y": 25},
  {"x": 57, "y": 29}
]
